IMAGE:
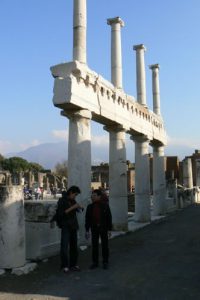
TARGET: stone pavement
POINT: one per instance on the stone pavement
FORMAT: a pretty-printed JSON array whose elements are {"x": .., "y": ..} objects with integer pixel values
[{"x": 158, "y": 262}]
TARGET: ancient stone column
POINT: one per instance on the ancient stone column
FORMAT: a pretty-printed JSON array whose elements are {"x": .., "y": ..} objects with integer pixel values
[
  {"x": 142, "y": 179},
  {"x": 116, "y": 51},
  {"x": 187, "y": 173},
  {"x": 30, "y": 181},
  {"x": 40, "y": 179},
  {"x": 12, "y": 228},
  {"x": 79, "y": 31},
  {"x": 79, "y": 159},
  {"x": 140, "y": 71},
  {"x": 118, "y": 178},
  {"x": 155, "y": 88},
  {"x": 197, "y": 167},
  {"x": 159, "y": 186}
]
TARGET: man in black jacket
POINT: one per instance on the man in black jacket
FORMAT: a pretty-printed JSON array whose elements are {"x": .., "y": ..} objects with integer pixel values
[
  {"x": 69, "y": 227},
  {"x": 98, "y": 218}
]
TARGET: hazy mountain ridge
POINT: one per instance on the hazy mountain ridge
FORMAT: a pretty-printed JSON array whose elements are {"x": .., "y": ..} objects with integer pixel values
[{"x": 49, "y": 154}]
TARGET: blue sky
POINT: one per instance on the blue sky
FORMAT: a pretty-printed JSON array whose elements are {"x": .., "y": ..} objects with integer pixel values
[{"x": 37, "y": 34}]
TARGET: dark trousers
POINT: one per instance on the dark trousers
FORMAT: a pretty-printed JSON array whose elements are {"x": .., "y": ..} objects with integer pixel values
[
  {"x": 103, "y": 234},
  {"x": 68, "y": 245}
]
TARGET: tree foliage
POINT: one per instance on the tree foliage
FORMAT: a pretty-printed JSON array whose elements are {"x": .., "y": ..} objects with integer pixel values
[
  {"x": 35, "y": 167},
  {"x": 61, "y": 169},
  {"x": 17, "y": 164}
]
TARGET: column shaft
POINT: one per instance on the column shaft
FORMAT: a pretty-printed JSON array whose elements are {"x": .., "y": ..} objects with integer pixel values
[
  {"x": 116, "y": 51},
  {"x": 155, "y": 88},
  {"x": 140, "y": 74},
  {"x": 159, "y": 186},
  {"x": 187, "y": 173},
  {"x": 79, "y": 31},
  {"x": 197, "y": 172},
  {"x": 142, "y": 180},
  {"x": 118, "y": 179},
  {"x": 79, "y": 159}
]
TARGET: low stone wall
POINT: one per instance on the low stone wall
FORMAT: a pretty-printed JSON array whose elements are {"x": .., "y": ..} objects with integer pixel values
[{"x": 42, "y": 241}]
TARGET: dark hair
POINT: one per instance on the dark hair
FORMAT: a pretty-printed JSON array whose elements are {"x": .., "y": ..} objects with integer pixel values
[
  {"x": 97, "y": 191},
  {"x": 73, "y": 189}
]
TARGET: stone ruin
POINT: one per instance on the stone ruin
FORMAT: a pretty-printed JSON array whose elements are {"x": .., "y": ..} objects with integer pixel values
[{"x": 83, "y": 95}]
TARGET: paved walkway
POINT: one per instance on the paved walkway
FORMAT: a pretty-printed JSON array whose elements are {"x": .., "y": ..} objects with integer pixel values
[{"x": 158, "y": 262}]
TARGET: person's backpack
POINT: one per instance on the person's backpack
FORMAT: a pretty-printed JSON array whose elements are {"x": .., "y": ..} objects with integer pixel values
[{"x": 58, "y": 217}]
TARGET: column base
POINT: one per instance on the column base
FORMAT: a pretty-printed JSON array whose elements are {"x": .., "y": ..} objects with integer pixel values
[{"x": 120, "y": 227}]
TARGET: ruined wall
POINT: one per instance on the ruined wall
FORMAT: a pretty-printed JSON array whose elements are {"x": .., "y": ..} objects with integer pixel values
[{"x": 42, "y": 241}]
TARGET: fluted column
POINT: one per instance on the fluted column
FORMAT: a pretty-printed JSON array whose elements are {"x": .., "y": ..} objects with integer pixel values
[
  {"x": 79, "y": 31},
  {"x": 155, "y": 88},
  {"x": 116, "y": 51},
  {"x": 142, "y": 179},
  {"x": 159, "y": 186},
  {"x": 79, "y": 159},
  {"x": 187, "y": 173},
  {"x": 118, "y": 177},
  {"x": 140, "y": 74}
]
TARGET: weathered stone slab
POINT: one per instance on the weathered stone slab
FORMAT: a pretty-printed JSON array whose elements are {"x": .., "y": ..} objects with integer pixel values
[
  {"x": 24, "y": 269},
  {"x": 39, "y": 210},
  {"x": 12, "y": 227}
]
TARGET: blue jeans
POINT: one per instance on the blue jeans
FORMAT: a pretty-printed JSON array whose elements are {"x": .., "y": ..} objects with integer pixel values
[{"x": 68, "y": 245}]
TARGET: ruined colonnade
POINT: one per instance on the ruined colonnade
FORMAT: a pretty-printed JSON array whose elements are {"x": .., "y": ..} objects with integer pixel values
[{"x": 83, "y": 95}]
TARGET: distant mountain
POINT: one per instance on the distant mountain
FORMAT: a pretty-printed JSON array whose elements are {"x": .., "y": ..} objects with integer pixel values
[{"x": 49, "y": 154}]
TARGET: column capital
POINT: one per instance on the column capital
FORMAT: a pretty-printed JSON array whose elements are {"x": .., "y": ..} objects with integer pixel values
[
  {"x": 83, "y": 113},
  {"x": 139, "y": 47},
  {"x": 156, "y": 144},
  {"x": 154, "y": 66},
  {"x": 114, "y": 128},
  {"x": 115, "y": 20},
  {"x": 140, "y": 138}
]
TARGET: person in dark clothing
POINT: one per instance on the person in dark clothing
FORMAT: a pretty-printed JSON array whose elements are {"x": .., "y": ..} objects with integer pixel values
[
  {"x": 98, "y": 219},
  {"x": 69, "y": 229}
]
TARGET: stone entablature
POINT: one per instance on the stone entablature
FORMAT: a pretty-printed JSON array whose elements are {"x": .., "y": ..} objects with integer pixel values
[{"x": 78, "y": 87}]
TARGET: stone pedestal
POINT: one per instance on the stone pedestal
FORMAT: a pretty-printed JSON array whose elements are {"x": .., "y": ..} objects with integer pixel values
[
  {"x": 142, "y": 180},
  {"x": 118, "y": 178},
  {"x": 159, "y": 186},
  {"x": 79, "y": 160},
  {"x": 12, "y": 233}
]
